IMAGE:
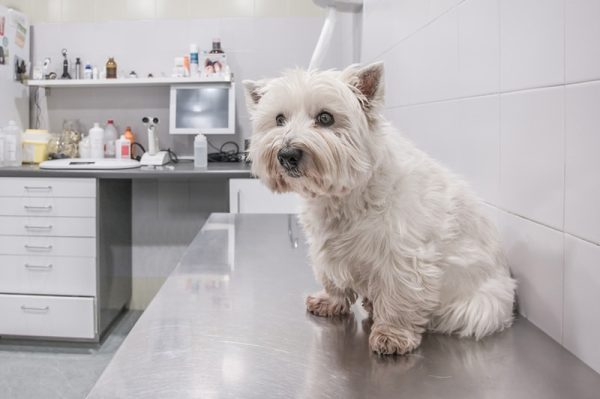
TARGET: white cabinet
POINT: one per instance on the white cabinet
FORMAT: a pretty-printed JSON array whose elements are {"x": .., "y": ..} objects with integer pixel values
[
  {"x": 251, "y": 196},
  {"x": 65, "y": 256}
]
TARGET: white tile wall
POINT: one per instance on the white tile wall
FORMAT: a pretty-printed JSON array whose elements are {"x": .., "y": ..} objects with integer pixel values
[
  {"x": 582, "y": 32},
  {"x": 531, "y": 43},
  {"x": 582, "y": 173},
  {"x": 535, "y": 257},
  {"x": 477, "y": 145},
  {"x": 582, "y": 319},
  {"x": 478, "y": 47},
  {"x": 532, "y": 154},
  {"x": 524, "y": 135}
]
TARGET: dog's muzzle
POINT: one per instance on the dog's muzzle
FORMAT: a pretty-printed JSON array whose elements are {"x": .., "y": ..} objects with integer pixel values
[{"x": 289, "y": 158}]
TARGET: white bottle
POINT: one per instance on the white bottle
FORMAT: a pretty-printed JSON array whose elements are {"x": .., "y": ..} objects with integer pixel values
[
  {"x": 85, "y": 147},
  {"x": 87, "y": 72},
  {"x": 200, "y": 151},
  {"x": 110, "y": 136},
  {"x": 123, "y": 148},
  {"x": 97, "y": 141},
  {"x": 12, "y": 145},
  {"x": 194, "y": 63}
]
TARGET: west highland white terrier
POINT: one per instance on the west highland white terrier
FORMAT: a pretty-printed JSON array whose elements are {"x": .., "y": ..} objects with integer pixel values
[{"x": 383, "y": 220}]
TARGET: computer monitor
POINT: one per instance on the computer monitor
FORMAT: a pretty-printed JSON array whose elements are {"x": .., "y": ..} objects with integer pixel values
[{"x": 204, "y": 108}]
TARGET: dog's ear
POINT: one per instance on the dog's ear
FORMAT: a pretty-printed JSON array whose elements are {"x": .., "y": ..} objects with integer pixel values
[
  {"x": 254, "y": 90},
  {"x": 368, "y": 81}
]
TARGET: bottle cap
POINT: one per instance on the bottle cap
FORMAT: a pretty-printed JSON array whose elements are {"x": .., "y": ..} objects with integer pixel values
[{"x": 111, "y": 121}]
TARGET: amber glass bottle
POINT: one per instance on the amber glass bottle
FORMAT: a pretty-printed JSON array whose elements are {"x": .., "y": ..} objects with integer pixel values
[{"x": 111, "y": 69}]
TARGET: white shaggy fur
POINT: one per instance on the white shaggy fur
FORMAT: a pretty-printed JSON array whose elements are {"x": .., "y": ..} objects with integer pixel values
[{"x": 384, "y": 221}]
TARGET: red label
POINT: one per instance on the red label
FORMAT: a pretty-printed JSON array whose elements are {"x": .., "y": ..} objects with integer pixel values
[{"x": 124, "y": 151}]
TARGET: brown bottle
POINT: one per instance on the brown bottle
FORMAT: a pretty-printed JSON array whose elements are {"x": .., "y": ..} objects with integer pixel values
[{"x": 111, "y": 69}]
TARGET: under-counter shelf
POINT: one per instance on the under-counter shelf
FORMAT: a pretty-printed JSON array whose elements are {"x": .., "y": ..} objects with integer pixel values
[{"x": 124, "y": 82}]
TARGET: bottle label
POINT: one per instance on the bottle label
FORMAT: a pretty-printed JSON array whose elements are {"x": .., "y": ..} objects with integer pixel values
[
  {"x": 125, "y": 151},
  {"x": 193, "y": 58}
]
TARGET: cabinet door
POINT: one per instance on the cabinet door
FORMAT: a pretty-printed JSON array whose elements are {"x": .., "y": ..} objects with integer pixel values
[{"x": 251, "y": 196}]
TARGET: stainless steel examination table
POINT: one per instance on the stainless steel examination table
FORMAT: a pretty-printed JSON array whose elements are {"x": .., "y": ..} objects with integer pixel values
[{"x": 230, "y": 322}]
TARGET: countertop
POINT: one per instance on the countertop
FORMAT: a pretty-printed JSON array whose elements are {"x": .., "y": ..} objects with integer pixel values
[
  {"x": 182, "y": 170},
  {"x": 230, "y": 322}
]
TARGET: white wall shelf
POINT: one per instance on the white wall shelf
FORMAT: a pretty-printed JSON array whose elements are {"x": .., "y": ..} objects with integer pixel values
[{"x": 123, "y": 82}]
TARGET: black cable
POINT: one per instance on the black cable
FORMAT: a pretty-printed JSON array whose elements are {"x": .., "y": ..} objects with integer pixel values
[
  {"x": 172, "y": 156},
  {"x": 222, "y": 155},
  {"x": 138, "y": 157}
]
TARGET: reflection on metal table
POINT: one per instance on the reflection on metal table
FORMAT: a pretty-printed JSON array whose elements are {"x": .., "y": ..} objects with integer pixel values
[{"x": 230, "y": 322}]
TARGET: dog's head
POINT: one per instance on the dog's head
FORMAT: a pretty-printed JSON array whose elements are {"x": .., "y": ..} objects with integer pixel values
[{"x": 312, "y": 131}]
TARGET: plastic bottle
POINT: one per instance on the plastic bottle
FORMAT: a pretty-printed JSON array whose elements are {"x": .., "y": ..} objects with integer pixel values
[
  {"x": 131, "y": 137},
  {"x": 97, "y": 141},
  {"x": 110, "y": 136},
  {"x": 88, "y": 72},
  {"x": 123, "y": 148},
  {"x": 12, "y": 145},
  {"x": 85, "y": 147},
  {"x": 200, "y": 151},
  {"x": 194, "y": 64}
]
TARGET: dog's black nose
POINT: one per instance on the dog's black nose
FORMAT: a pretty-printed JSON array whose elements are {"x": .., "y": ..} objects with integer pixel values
[{"x": 289, "y": 157}]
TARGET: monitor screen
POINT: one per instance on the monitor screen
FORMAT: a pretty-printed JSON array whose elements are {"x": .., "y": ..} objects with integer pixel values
[{"x": 202, "y": 109}]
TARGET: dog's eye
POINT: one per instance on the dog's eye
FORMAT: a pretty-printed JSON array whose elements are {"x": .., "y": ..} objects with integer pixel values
[
  {"x": 280, "y": 119},
  {"x": 325, "y": 119}
]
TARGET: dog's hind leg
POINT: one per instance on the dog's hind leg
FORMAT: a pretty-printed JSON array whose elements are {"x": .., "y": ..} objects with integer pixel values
[{"x": 331, "y": 301}]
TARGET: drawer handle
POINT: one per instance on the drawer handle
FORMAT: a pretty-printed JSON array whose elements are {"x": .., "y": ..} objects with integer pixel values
[
  {"x": 28, "y": 227},
  {"x": 39, "y": 267},
  {"x": 34, "y": 309},
  {"x": 39, "y": 247},
  {"x": 44, "y": 188},
  {"x": 38, "y": 208}
]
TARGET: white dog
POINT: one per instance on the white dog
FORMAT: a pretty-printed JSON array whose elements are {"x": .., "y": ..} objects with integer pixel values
[{"x": 384, "y": 221}]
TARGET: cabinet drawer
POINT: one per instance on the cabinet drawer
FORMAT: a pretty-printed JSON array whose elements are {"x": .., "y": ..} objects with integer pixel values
[
  {"x": 47, "y": 275},
  {"x": 47, "y": 226},
  {"x": 48, "y": 206},
  {"x": 47, "y": 316},
  {"x": 48, "y": 246},
  {"x": 47, "y": 187}
]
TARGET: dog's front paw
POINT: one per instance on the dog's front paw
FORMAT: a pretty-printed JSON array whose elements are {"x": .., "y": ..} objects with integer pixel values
[
  {"x": 322, "y": 304},
  {"x": 386, "y": 339}
]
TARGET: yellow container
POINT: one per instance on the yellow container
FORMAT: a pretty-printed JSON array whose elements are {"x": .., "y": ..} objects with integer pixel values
[{"x": 35, "y": 146}]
